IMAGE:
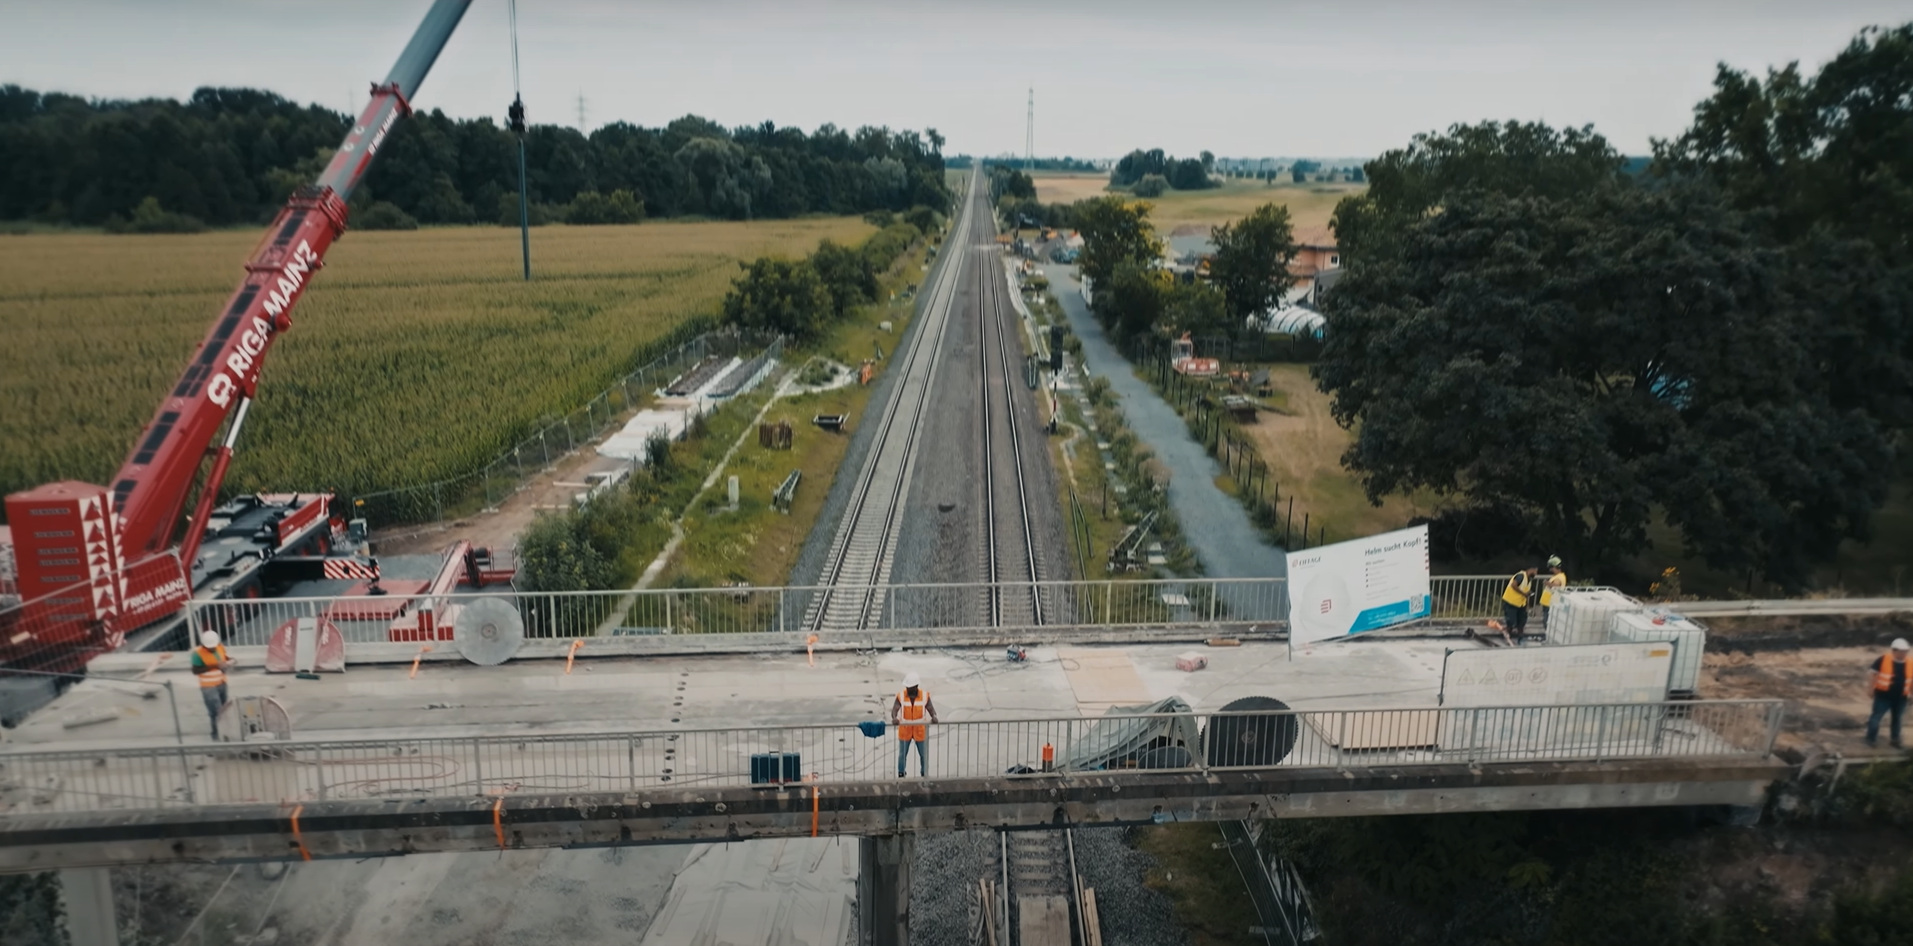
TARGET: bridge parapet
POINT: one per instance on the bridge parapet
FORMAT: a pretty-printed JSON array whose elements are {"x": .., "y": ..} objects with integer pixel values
[{"x": 395, "y": 767}]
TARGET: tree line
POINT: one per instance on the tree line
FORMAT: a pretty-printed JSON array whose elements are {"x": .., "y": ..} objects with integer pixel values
[
  {"x": 231, "y": 156},
  {"x": 801, "y": 298},
  {"x": 1722, "y": 342},
  {"x": 1135, "y": 297},
  {"x": 1150, "y": 173}
]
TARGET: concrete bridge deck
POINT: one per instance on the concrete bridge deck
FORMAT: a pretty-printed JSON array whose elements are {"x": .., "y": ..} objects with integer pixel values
[{"x": 637, "y": 750}]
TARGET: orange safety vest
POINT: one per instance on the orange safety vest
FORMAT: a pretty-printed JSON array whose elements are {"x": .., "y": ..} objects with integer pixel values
[
  {"x": 1883, "y": 676},
  {"x": 207, "y": 663},
  {"x": 913, "y": 713}
]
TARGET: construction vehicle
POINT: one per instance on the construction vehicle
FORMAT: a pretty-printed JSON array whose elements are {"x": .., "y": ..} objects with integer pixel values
[
  {"x": 1182, "y": 358},
  {"x": 96, "y": 564}
]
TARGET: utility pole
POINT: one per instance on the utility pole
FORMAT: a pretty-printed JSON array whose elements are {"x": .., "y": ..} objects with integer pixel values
[
  {"x": 581, "y": 112},
  {"x": 515, "y": 121},
  {"x": 1029, "y": 135}
]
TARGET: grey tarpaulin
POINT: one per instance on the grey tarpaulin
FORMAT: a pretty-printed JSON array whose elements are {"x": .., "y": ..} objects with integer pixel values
[{"x": 1134, "y": 737}]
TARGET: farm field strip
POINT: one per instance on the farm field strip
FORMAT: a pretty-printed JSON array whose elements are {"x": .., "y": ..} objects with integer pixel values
[{"x": 417, "y": 355}]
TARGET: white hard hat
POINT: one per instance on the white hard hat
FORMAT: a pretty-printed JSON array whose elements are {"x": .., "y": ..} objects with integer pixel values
[
  {"x": 910, "y": 679},
  {"x": 1899, "y": 643},
  {"x": 209, "y": 639}
]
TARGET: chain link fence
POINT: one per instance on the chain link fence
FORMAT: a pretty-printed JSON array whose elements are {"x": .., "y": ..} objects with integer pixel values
[{"x": 491, "y": 484}]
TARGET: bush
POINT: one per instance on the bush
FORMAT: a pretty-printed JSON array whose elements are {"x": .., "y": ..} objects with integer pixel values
[
  {"x": 383, "y": 215},
  {"x": 591, "y": 208},
  {"x": 539, "y": 215},
  {"x": 657, "y": 454},
  {"x": 150, "y": 217},
  {"x": 1152, "y": 185}
]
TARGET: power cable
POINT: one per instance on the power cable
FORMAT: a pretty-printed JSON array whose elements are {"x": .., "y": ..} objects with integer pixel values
[{"x": 512, "y": 8}]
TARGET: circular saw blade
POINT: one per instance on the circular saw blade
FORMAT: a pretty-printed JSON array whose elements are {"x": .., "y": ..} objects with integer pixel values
[{"x": 488, "y": 632}]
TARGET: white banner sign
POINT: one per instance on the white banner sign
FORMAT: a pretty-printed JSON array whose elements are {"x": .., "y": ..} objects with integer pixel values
[
  {"x": 1361, "y": 585},
  {"x": 1564, "y": 674}
]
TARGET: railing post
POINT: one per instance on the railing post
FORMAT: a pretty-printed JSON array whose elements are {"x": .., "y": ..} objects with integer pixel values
[
  {"x": 1215, "y": 593},
  {"x": 1776, "y": 713},
  {"x": 478, "y": 768},
  {"x": 1109, "y": 594},
  {"x": 1600, "y": 733},
  {"x": 318, "y": 767}
]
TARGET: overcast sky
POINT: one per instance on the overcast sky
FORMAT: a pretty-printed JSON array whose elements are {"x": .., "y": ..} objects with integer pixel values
[{"x": 1321, "y": 78}]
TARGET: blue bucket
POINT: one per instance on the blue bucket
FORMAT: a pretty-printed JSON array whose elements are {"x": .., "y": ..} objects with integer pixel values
[{"x": 872, "y": 727}]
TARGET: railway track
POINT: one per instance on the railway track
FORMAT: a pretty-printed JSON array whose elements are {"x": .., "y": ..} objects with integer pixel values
[
  {"x": 1038, "y": 897},
  {"x": 1014, "y": 596},
  {"x": 865, "y": 546}
]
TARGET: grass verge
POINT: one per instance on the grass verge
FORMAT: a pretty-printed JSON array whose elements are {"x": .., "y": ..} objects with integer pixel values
[
  {"x": 1201, "y": 879},
  {"x": 756, "y": 544}
]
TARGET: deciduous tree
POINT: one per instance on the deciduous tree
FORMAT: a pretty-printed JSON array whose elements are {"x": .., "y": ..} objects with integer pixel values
[
  {"x": 1114, "y": 231},
  {"x": 1590, "y": 359},
  {"x": 1251, "y": 262}
]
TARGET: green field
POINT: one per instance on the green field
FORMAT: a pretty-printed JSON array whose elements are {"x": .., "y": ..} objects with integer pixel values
[
  {"x": 1310, "y": 205},
  {"x": 416, "y": 355}
]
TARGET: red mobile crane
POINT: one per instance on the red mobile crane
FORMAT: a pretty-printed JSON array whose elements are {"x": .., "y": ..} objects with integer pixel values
[{"x": 93, "y": 564}]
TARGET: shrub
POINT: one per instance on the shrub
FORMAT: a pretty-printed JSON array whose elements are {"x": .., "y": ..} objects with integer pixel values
[
  {"x": 384, "y": 216},
  {"x": 1152, "y": 185},
  {"x": 592, "y": 208},
  {"x": 150, "y": 217}
]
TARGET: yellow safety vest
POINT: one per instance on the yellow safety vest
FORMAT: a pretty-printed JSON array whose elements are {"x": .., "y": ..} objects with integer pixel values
[
  {"x": 1556, "y": 580},
  {"x": 1517, "y": 591},
  {"x": 1883, "y": 676},
  {"x": 209, "y": 665},
  {"x": 912, "y": 712}
]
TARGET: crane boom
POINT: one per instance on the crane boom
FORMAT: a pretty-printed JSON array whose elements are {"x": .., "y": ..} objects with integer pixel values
[{"x": 152, "y": 487}]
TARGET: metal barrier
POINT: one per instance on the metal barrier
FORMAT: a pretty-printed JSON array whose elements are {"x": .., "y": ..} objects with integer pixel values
[
  {"x": 571, "y": 614},
  {"x": 478, "y": 766}
]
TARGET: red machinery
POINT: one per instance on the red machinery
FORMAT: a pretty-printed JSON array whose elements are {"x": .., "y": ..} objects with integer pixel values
[{"x": 92, "y": 563}]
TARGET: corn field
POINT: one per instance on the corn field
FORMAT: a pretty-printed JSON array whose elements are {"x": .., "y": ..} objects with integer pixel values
[{"x": 416, "y": 357}]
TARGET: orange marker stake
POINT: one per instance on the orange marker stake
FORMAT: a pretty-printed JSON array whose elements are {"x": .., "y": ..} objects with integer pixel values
[
  {"x": 571, "y": 655},
  {"x": 810, "y": 649},
  {"x": 420, "y": 656},
  {"x": 813, "y": 804},
  {"x": 296, "y": 839},
  {"x": 498, "y": 821}
]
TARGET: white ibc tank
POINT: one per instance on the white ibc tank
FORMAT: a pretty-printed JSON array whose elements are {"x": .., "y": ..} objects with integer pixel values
[
  {"x": 1690, "y": 642},
  {"x": 1583, "y": 615}
]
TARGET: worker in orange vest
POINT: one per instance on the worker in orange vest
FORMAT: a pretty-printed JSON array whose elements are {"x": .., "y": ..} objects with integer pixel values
[
  {"x": 908, "y": 712},
  {"x": 1892, "y": 684},
  {"x": 210, "y": 662}
]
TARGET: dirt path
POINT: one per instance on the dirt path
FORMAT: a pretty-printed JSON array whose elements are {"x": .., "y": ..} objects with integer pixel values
[{"x": 498, "y": 528}]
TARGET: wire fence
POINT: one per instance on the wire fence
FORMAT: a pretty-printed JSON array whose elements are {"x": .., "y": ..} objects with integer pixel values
[
  {"x": 751, "y": 610},
  {"x": 494, "y": 765},
  {"x": 683, "y": 348}
]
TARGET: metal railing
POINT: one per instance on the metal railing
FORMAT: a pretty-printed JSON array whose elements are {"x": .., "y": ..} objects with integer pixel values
[
  {"x": 574, "y": 614},
  {"x": 479, "y": 766}
]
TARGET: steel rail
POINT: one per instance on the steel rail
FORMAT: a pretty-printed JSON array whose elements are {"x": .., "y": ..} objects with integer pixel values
[
  {"x": 863, "y": 546},
  {"x": 990, "y": 310}
]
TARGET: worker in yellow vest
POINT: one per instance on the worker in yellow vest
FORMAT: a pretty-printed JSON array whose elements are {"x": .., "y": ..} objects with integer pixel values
[
  {"x": 1892, "y": 684},
  {"x": 1514, "y": 602},
  {"x": 908, "y": 712},
  {"x": 210, "y": 663},
  {"x": 1557, "y": 578}
]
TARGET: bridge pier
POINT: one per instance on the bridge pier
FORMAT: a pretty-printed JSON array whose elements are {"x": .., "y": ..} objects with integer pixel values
[
  {"x": 883, "y": 888},
  {"x": 86, "y": 893}
]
